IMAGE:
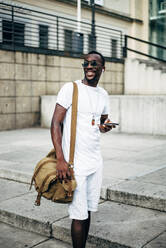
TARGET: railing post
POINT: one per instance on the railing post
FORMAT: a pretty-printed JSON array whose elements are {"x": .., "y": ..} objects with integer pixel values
[
  {"x": 57, "y": 33},
  {"x": 93, "y": 27},
  {"x": 125, "y": 47},
  {"x": 13, "y": 27},
  {"x": 121, "y": 44}
]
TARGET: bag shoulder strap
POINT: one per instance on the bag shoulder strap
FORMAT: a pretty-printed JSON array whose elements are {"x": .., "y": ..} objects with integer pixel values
[{"x": 73, "y": 123}]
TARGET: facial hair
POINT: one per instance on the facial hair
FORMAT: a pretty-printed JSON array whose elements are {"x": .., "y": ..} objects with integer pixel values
[{"x": 92, "y": 81}]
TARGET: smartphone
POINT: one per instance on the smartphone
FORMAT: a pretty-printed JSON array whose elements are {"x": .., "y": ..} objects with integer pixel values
[{"x": 110, "y": 124}]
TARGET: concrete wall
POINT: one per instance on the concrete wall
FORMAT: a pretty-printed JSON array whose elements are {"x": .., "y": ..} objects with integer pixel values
[
  {"x": 135, "y": 114},
  {"x": 144, "y": 78},
  {"x": 139, "y": 114},
  {"x": 47, "y": 110},
  {"x": 139, "y": 9},
  {"x": 24, "y": 77},
  {"x": 122, "y": 6}
]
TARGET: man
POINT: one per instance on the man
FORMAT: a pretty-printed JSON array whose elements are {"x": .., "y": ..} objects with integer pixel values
[{"x": 92, "y": 114}]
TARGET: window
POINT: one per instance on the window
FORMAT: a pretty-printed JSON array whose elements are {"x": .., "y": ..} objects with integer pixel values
[
  {"x": 113, "y": 48},
  {"x": 68, "y": 40},
  {"x": 74, "y": 41},
  {"x": 43, "y": 36},
  {"x": 78, "y": 42},
  {"x": 157, "y": 30},
  {"x": 13, "y": 33}
]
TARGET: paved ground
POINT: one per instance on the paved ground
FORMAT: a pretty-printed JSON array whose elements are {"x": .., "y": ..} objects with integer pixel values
[
  {"x": 134, "y": 174},
  {"x": 14, "y": 237}
]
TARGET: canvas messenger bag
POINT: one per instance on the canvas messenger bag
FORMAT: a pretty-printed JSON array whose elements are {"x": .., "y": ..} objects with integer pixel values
[{"x": 44, "y": 177}]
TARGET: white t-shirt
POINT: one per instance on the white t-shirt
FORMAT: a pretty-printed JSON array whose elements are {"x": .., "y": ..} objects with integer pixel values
[{"x": 91, "y": 101}]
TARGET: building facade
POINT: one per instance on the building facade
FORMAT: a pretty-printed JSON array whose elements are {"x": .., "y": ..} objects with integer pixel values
[
  {"x": 52, "y": 24},
  {"x": 157, "y": 23}
]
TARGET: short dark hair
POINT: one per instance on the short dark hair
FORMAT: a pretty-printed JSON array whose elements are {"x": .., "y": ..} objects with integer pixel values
[{"x": 102, "y": 57}]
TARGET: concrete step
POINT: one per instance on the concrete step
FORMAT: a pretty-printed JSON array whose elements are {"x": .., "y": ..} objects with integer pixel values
[
  {"x": 119, "y": 225},
  {"x": 115, "y": 225},
  {"x": 15, "y": 237},
  {"x": 154, "y": 64},
  {"x": 148, "y": 191},
  {"x": 144, "y": 77}
]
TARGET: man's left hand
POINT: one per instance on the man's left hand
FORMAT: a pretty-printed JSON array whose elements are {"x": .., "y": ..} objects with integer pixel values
[{"x": 104, "y": 128}]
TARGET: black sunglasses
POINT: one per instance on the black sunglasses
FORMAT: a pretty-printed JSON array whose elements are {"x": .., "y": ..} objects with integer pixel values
[{"x": 93, "y": 63}]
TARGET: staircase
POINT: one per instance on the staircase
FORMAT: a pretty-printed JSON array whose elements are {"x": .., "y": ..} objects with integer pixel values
[{"x": 145, "y": 77}]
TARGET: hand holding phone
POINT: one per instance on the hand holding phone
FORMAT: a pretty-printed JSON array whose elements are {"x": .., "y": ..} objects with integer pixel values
[
  {"x": 110, "y": 124},
  {"x": 107, "y": 126}
]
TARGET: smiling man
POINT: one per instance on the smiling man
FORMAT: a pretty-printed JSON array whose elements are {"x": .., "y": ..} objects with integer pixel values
[{"x": 92, "y": 114}]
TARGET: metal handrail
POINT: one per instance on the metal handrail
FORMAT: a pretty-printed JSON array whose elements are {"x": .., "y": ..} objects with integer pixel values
[
  {"x": 147, "y": 42},
  {"x": 127, "y": 48}
]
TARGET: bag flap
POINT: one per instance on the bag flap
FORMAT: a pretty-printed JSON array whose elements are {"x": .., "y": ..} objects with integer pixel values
[
  {"x": 45, "y": 167},
  {"x": 51, "y": 154},
  {"x": 70, "y": 185}
]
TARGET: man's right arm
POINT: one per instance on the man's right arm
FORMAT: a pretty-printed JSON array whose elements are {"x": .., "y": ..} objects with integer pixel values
[{"x": 62, "y": 167}]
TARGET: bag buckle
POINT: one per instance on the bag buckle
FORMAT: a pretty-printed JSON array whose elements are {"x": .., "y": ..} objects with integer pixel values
[{"x": 71, "y": 166}]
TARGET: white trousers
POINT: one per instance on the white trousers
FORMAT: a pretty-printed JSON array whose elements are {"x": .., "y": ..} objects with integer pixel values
[{"x": 86, "y": 196}]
